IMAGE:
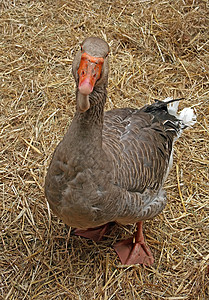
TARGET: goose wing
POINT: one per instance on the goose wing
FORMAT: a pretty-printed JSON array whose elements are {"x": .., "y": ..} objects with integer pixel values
[{"x": 140, "y": 147}]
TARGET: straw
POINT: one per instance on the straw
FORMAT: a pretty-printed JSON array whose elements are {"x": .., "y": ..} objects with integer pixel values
[{"x": 159, "y": 49}]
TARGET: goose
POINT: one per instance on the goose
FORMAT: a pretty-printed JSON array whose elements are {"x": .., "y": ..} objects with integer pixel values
[{"x": 111, "y": 166}]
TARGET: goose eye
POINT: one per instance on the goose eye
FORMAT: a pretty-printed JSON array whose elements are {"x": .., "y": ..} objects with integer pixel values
[{"x": 81, "y": 48}]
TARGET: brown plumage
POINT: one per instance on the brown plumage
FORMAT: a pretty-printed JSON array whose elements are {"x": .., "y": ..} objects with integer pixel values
[{"x": 110, "y": 167}]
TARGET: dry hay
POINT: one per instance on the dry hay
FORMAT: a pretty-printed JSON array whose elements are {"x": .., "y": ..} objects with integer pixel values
[{"x": 158, "y": 49}]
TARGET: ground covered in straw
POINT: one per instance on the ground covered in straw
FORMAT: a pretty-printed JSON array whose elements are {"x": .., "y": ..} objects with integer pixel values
[{"x": 158, "y": 49}]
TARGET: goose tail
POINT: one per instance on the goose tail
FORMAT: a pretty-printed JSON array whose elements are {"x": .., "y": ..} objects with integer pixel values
[{"x": 187, "y": 116}]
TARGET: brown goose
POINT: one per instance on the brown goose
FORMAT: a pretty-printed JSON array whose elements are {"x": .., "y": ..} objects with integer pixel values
[{"x": 111, "y": 167}]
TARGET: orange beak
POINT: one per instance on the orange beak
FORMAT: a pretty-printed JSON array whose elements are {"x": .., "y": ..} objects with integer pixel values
[{"x": 89, "y": 72}]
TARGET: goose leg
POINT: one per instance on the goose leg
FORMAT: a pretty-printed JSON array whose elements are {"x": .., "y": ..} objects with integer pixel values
[
  {"x": 136, "y": 252},
  {"x": 94, "y": 234}
]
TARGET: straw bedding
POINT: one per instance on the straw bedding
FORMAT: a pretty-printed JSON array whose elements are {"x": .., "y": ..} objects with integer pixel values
[{"x": 158, "y": 49}]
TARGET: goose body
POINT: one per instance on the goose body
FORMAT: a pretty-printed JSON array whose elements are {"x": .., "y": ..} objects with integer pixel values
[{"x": 110, "y": 167}]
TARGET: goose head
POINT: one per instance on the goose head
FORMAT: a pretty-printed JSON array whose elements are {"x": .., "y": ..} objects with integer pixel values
[{"x": 90, "y": 69}]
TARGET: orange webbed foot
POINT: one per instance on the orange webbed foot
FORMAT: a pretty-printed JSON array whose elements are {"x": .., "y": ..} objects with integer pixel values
[{"x": 137, "y": 252}]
